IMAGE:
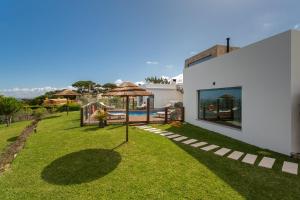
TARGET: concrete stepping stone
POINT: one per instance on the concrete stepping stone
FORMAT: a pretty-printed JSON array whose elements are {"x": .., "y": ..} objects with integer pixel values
[
  {"x": 180, "y": 138},
  {"x": 167, "y": 133},
  {"x": 173, "y": 136},
  {"x": 235, "y": 155},
  {"x": 199, "y": 144},
  {"x": 267, "y": 162},
  {"x": 157, "y": 132},
  {"x": 222, "y": 151},
  {"x": 189, "y": 141},
  {"x": 210, "y": 147},
  {"x": 141, "y": 127},
  {"x": 152, "y": 130},
  {"x": 164, "y": 131},
  {"x": 148, "y": 129},
  {"x": 249, "y": 159},
  {"x": 290, "y": 167}
]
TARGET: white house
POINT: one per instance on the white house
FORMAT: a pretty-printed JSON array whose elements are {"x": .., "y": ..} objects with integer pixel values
[
  {"x": 251, "y": 94},
  {"x": 164, "y": 94}
]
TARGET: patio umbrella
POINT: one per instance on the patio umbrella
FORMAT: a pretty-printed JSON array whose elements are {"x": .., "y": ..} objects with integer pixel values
[
  {"x": 67, "y": 94},
  {"x": 128, "y": 89}
]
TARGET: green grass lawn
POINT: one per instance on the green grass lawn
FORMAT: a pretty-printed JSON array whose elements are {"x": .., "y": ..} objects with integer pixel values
[
  {"x": 65, "y": 161},
  {"x": 11, "y": 133}
]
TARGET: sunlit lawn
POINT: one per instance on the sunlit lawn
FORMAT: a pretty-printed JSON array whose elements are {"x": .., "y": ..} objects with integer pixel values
[
  {"x": 65, "y": 161},
  {"x": 10, "y": 134}
]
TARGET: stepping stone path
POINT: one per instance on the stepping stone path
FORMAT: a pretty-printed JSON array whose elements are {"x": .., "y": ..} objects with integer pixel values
[
  {"x": 199, "y": 144},
  {"x": 167, "y": 133},
  {"x": 189, "y": 141},
  {"x": 210, "y": 147},
  {"x": 173, "y": 136},
  {"x": 235, "y": 155},
  {"x": 249, "y": 159},
  {"x": 149, "y": 129},
  {"x": 222, "y": 152},
  {"x": 267, "y": 162},
  {"x": 157, "y": 132},
  {"x": 290, "y": 167},
  {"x": 153, "y": 129},
  {"x": 180, "y": 138}
]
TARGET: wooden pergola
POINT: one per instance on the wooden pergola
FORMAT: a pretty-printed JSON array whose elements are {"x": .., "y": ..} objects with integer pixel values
[
  {"x": 128, "y": 89},
  {"x": 67, "y": 94}
]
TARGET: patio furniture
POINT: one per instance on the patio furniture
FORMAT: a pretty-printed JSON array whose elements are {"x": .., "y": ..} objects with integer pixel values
[
  {"x": 161, "y": 114},
  {"x": 116, "y": 115},
  {"x": 141, "y": 106},
  {"x": 106, "y": 106}
]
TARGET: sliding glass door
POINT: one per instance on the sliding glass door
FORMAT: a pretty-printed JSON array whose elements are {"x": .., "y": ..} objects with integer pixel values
[{"x": 222, "y": 105}]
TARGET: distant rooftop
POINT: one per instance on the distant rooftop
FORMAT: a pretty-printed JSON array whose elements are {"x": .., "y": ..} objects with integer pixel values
[{"x": 208, "y": 54}]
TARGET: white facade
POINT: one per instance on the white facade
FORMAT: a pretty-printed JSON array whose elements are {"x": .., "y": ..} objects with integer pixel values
[
  {"x": 163, "y": 94},
  {"x": 269, "y": 74}
]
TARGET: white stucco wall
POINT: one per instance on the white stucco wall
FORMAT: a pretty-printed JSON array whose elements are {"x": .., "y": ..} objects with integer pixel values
[
  {"x": 295, "y": 89},
  {"x": 163, "y": 94},
  {"x": 263, "y": 70}
]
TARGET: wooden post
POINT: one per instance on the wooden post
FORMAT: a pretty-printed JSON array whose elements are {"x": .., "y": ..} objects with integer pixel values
[
  {"x": 67, "y": 105},
  {"x": 148, "y": 110},
  {"x": 81, "y": 117},
  {"x": 127, "y": 116},
  {"x": 132, "y": 103},
  {"x": 105, "y": 121},
  {"x": 166, "y": 114}
]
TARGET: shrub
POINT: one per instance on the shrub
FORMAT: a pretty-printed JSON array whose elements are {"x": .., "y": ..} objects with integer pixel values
[
  {"x": 178, "y": 105},
  {"x": 72, "y": 107},
  {"x": 40, "y": 112}
]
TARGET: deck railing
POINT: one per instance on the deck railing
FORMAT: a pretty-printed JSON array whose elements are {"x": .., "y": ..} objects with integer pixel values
[{"x": 146, "y": 115}]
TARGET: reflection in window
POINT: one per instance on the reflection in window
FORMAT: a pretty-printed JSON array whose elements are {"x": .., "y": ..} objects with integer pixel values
[{"x": 223, "y": 105}]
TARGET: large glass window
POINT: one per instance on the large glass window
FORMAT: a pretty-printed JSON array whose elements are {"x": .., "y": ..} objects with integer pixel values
[{"x": 222, "y": 105}]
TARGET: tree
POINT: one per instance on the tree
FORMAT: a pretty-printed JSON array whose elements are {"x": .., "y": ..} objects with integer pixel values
[
  {"x": 109, "y": 86},
  {"x": 8, "y": 107},
  {"x": 155, "y": 80},
  {"x": 83, "y": 86}
]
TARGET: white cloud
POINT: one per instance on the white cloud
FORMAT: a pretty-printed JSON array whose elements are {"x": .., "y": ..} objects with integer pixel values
[
  {"x": 297, "y": 26},
  {"x": 119, "y": 81},
  {"x": 30, "y": 92},
  {"x": 152, "y": 63},
  {"x": 169, "y": 66},
  {"x": 140, "y": 83},
  {"x": 192, "y": 52},
  {"x": 267, "y": 25}
]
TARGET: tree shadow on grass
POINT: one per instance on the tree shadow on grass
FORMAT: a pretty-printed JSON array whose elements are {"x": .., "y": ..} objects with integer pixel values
[
  {"x": 81, "y": 167},
  {"x": 51, "y": 117},
  {"x": 75, "y": 127},
  {"x": 12, "y": 139},
  {"x": 92, "y": 128}
]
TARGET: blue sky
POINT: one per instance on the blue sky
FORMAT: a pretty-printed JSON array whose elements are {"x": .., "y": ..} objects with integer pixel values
[{"x": 56, "y": 42}]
